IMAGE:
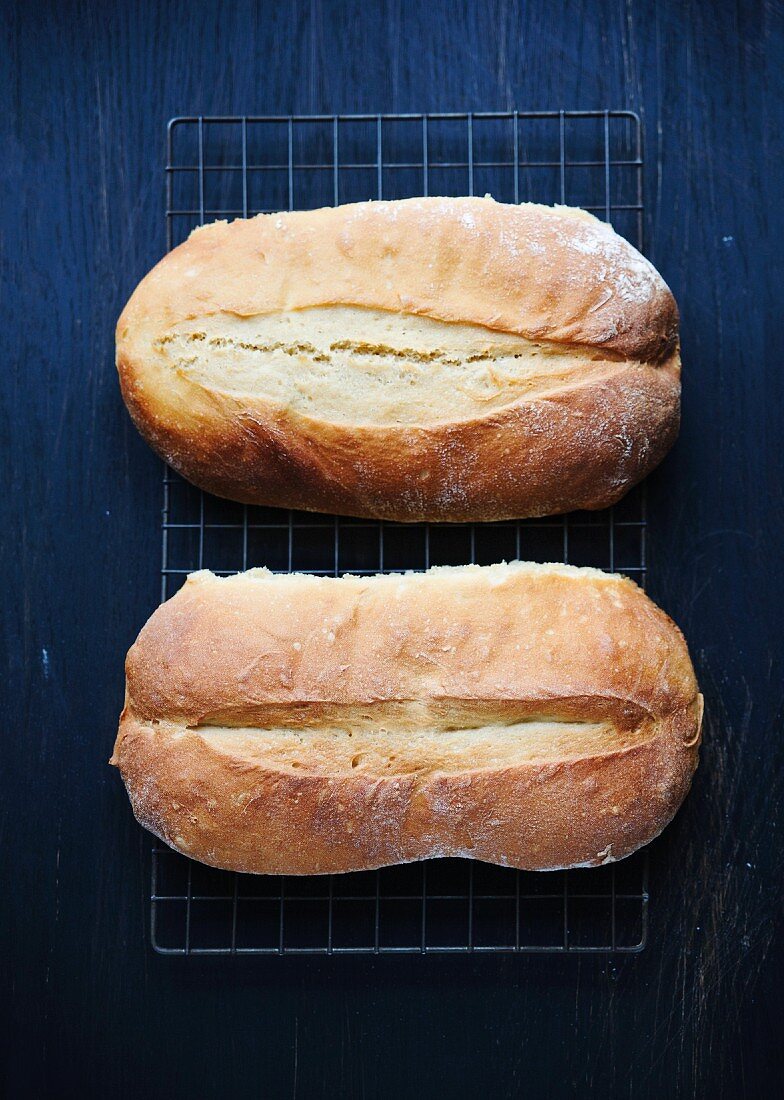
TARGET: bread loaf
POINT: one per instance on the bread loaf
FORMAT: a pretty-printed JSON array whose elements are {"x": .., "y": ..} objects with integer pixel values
[
  {"x": 538, "y": 716},
  {"x": 426, "y": 359}
]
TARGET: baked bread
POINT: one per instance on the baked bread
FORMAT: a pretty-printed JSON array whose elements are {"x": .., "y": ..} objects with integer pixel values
[
  {"x": 537, "y": 716},
  {"x": 425, "y": 359}
]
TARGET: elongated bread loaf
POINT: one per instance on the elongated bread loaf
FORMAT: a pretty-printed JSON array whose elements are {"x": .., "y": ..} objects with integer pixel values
[
  {"x": 539, "y": 716},
  {"x": 426, "y": 359}
]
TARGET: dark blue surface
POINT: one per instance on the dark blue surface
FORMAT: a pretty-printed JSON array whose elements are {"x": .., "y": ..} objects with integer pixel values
[{"x": 90, "y": 1011}]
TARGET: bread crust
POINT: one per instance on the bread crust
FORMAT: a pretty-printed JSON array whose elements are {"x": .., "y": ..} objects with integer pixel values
[
  {"x": 553, "y": 275},
  {"x": 418, "y": 654}
]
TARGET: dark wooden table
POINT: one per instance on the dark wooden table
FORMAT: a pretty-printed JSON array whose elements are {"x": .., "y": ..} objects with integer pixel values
[{"x": 89, "y": 1009}]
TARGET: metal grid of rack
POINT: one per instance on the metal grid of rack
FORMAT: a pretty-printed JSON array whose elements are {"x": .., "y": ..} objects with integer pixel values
[{"x": 238, "y": 167}]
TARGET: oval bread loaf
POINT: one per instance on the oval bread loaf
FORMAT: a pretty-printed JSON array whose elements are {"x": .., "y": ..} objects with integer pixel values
[
  {"x": 425, "y": 359},
  {"x": 538, "y": 716}
]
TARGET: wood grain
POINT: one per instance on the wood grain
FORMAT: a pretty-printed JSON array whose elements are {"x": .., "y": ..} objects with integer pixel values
[{"x": 87, "y": 89}]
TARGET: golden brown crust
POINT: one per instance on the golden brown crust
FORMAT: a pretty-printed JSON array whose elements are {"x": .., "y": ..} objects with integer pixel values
[
  {"x": 553, "y": 275},
  {"x": 545, "y": 273},
  {"x": 581, "y": 446},
  {"x": 428, "y": 652}
]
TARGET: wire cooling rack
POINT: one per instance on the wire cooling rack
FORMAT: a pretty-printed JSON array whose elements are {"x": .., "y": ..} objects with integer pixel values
[{"x": 240, "y": 166}]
